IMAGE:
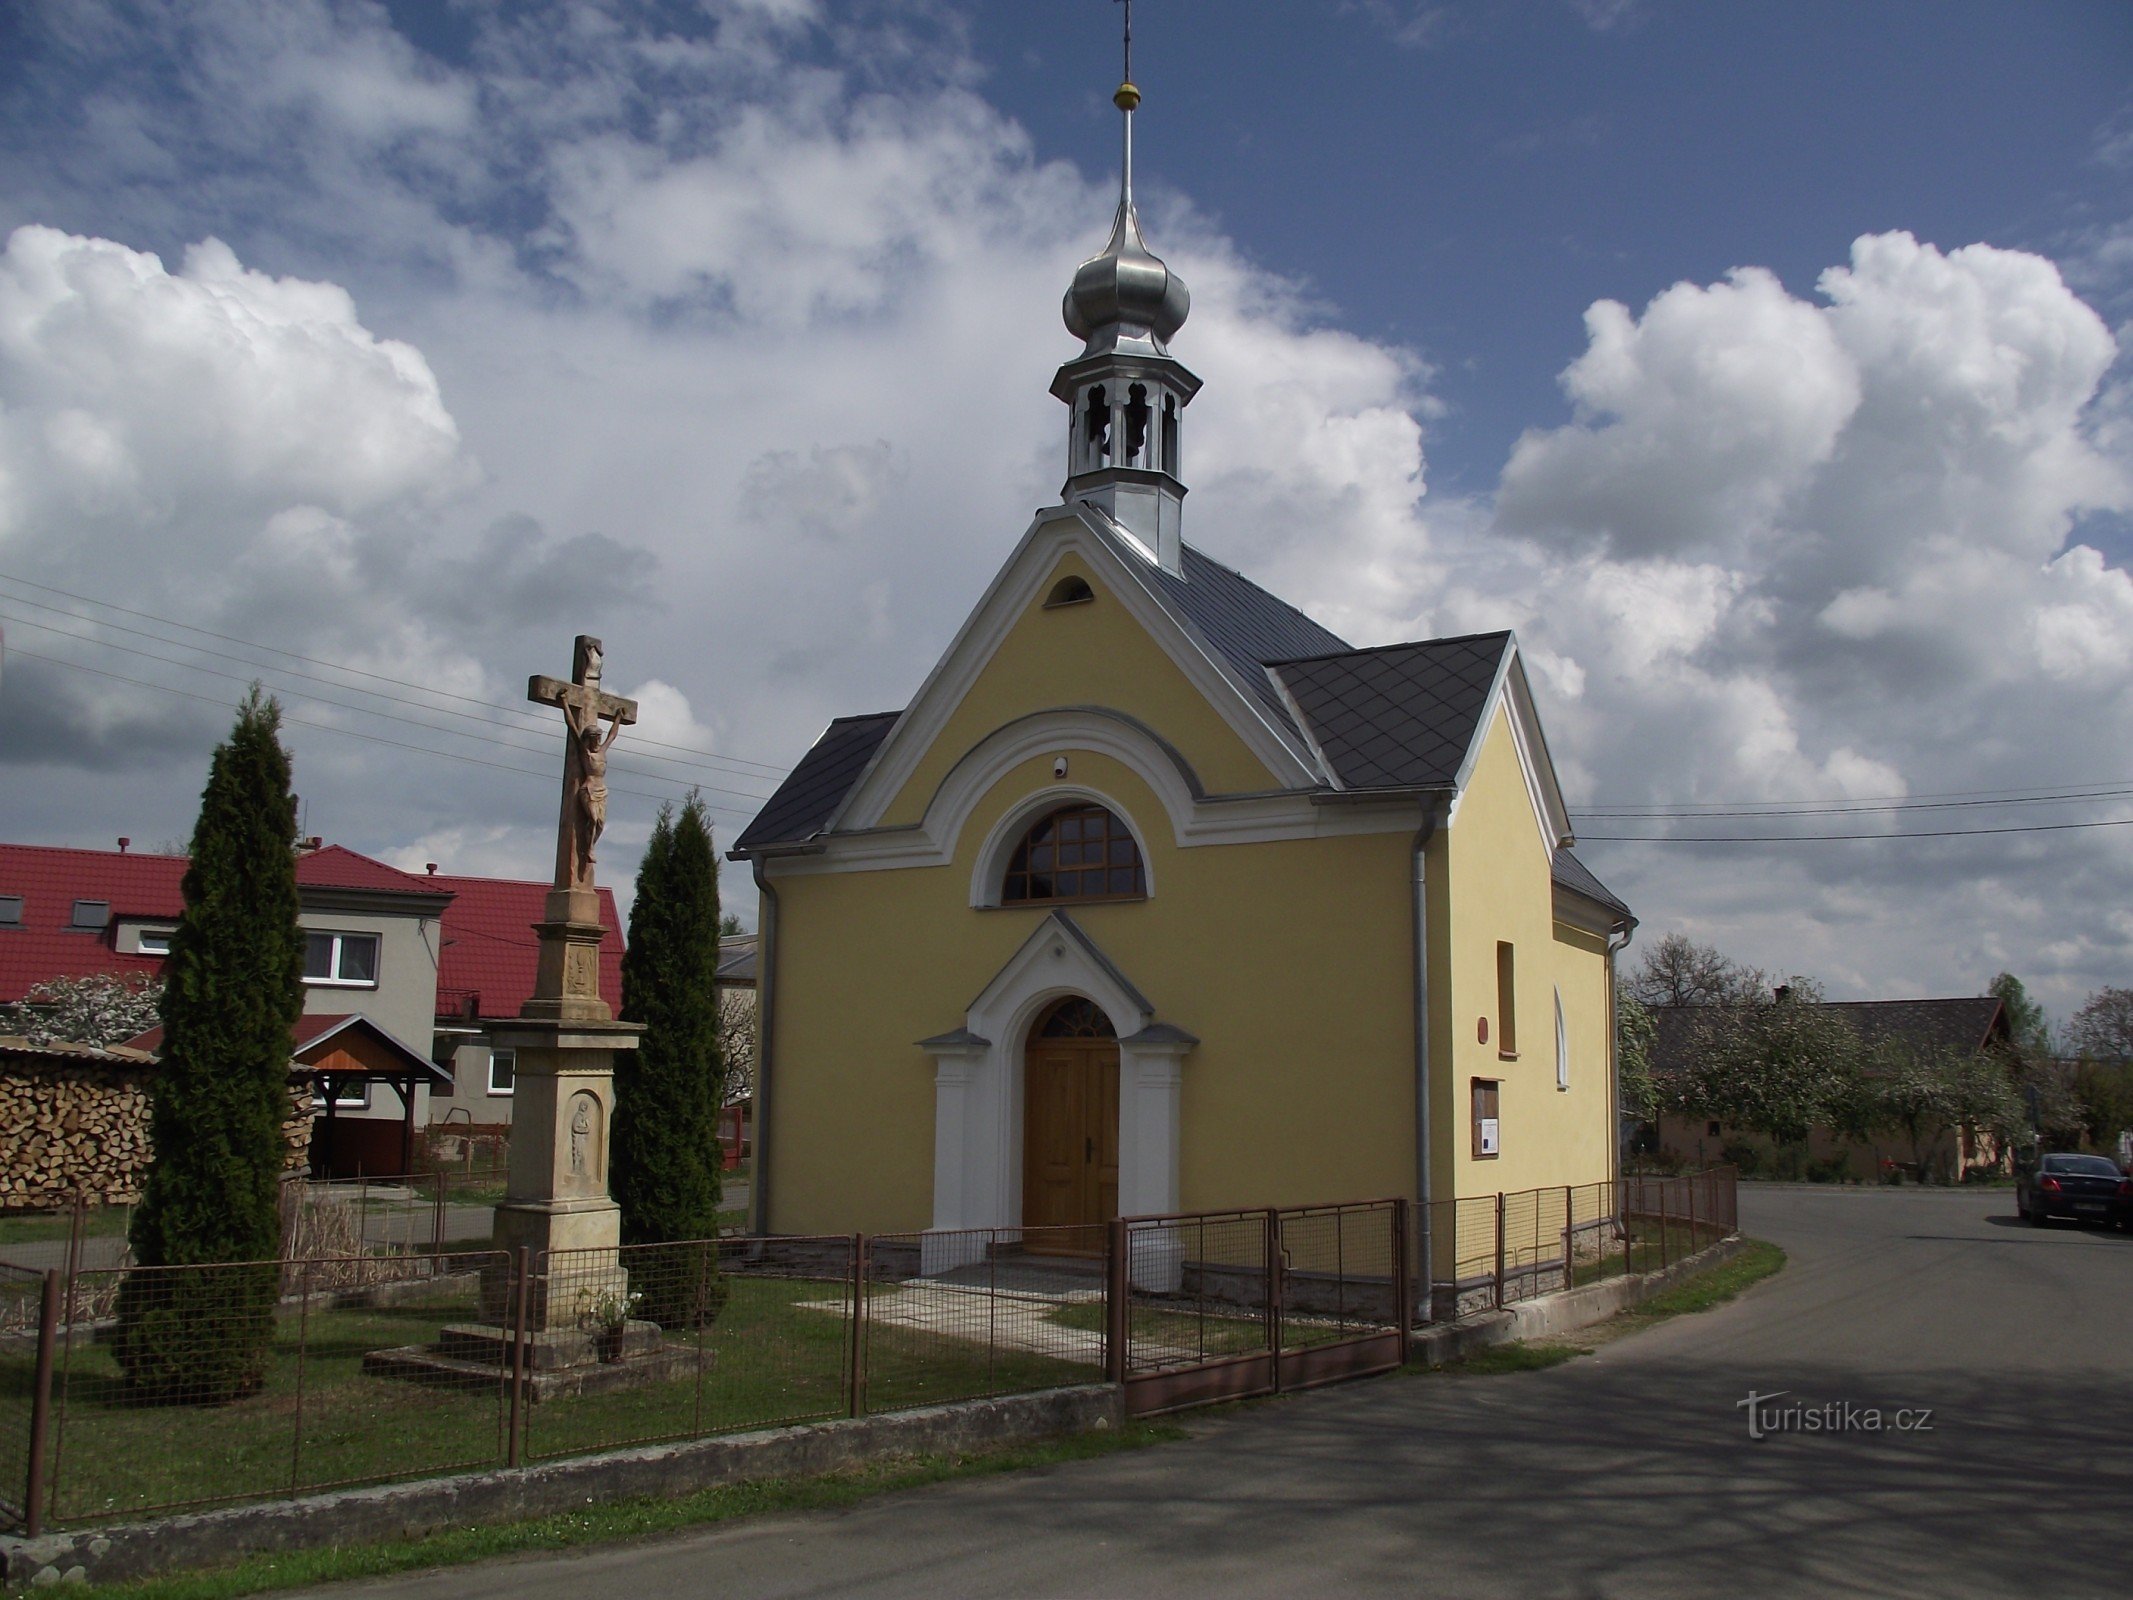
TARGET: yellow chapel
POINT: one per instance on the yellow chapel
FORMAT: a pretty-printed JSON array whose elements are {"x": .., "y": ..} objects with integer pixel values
[{"x": 1159, "y": 896}]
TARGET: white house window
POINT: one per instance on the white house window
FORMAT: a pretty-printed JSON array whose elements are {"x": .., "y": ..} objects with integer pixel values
[
  {"x": 353, "y": 1093},
  {"x": 349, "y": 959},
  {"x": 90, "y": 915},
  {"x": 155, "y": 941},
  {"x": 1562, "y": 1044},
  {"x": 503, "y": 1069}
]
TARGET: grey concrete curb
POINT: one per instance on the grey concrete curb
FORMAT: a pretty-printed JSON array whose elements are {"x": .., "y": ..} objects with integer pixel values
[
  {"x": 1562, "y": 1311},
  {"x": 406, "y": 1510}
]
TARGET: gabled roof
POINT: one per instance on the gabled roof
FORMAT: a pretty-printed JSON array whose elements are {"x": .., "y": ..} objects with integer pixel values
[
  {"x": 335, "y": 866},
  {"x": 314, "y": 1031},
  {"x": 49, "y": 880},
  {"x": 489, "y": 952},
  {"x": 1405, "y": 716},
  {"x": 814, "y": 789},
  {"x": 737, "y": 960},
  {"x": 1967, "y": 1022},
  {"x": 1572, "y": 874},
  {"x": 1242, "y": 623},
  {"x": 1401, "y": 716}
]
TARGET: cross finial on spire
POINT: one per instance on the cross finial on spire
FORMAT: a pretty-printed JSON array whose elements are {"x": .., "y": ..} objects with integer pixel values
[{"x": 1128, "y": 4}]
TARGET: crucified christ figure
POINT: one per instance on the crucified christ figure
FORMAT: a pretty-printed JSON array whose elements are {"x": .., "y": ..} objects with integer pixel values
[{"x": 585, "y": 707}]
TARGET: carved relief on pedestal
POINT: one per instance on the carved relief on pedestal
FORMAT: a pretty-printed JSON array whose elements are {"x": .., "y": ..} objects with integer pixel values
[{"x": 587, "y": 1154}]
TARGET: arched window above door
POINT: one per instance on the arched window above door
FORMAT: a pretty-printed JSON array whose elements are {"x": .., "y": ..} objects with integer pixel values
[
  {"x": 1078, "y": 852},
  {"x": 1075, "y": 1018}
]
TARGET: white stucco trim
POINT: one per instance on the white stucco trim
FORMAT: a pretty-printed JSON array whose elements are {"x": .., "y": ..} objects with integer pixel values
[
  {"x": 1194, "y": 818},
  {"x": 1056, "y": 532},
  {"x": 1000, "y": 842},
  {"x": 1511, "y": 694},
  {"x": 978, "y": 1073}
]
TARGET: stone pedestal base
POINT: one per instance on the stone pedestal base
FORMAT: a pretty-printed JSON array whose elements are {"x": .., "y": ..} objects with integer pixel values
[{"x": 557, "y": 1362}]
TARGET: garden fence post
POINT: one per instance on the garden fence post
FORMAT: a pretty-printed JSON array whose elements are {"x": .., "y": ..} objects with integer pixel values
[
  {"x": 41, "y": 1404},
  {"x": 859, "y": 1318},
  {"x": 1499, "y": 1249},
  {"x": 1693, "y": 1181},
  {"x": 1663, "y": 1182},
  {"x": 303, "y": 1346},
  {"x": 523, "y": 1277},
  {"x": 1622, "y": 1217},
  {"x": 1117, "y": 1302},
  {"x": 1403, "y": 1303},
  {"x": 1272, "y": 1228},
  {"x": 1569, "y": 1217},
  {"x": 437, "y": 1224}
]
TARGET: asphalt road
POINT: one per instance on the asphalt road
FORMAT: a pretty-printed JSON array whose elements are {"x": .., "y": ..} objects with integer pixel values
[{"x": 1627, "y": 1472}]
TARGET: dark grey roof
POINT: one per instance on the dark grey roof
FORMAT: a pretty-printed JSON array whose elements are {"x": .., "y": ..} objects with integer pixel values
[
  {"x": 1243, "y": 624},
  {"x": 1572, "y": 874},
  {"x": 814, "y": 789},
  {"x": 1400, "y": 716},
  {"x": 736, "y": 959},
  {"x": 1966, "y": 1023}
]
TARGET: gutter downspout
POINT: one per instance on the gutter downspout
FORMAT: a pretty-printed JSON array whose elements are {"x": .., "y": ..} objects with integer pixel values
[
  {"x": 1423, "y": 1196},
  {"x": 766, "y": 989},
  {"x": 1617, "y": 942}
]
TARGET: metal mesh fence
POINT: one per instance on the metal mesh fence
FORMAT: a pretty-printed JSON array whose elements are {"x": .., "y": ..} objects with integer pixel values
[
  {"x": 1337, "y": 1271},
  {"x": 986, "y": 1311},
  {"x": 651, "y": 1343},
  {"x": 1488, "y": 1251},
  {"x": 183, "y": 1387}
]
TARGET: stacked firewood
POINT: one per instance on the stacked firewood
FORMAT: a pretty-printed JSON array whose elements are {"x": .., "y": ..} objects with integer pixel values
[{"x": 81, "y": 1129}]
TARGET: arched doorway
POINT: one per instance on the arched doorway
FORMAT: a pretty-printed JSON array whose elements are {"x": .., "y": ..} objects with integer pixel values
[{"x": 1070, "y": 1126}]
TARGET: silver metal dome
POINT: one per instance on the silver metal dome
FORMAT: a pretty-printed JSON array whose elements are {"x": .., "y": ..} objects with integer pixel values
[{"x": 1124, "y": 294}]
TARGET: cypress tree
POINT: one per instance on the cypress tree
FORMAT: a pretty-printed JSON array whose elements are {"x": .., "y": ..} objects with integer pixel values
[
  {"x": 664, "y": 1162},
  {"x": 233, "y": 988}
]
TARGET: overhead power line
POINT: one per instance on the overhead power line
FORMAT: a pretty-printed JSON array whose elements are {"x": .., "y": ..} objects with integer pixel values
[
  {"x": 1842, "y": 809},
  {"x": 371, "y": 738},
  {"x": 1825, "y": 838},
  {"x": 767, "y": 768},
  {"x": 361, "y": 710}
]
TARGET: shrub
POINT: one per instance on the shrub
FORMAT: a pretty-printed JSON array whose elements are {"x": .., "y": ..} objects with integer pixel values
[
  {"x": 233, "y": 988},
  {"x": 668, "y": 1091}
]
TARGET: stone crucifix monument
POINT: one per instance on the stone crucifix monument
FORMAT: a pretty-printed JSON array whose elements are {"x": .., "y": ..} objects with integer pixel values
[
  {"x": 563, "y": 1095},
  {"x": 556, "y": 1202},
  {"x": 579, "y": 1334}
]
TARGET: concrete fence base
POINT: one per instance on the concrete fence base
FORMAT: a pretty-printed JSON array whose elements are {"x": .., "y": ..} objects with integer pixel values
[
  {"x": 1561, "y": 1312},
  {"x": 408, "y": 1510}
]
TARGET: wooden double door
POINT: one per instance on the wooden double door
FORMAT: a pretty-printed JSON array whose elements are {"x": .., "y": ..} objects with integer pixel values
[{"x": 1070, "y": 1142}]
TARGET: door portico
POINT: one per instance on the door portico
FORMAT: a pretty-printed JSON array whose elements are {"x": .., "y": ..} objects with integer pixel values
[{"x": 981, "y": 1113}]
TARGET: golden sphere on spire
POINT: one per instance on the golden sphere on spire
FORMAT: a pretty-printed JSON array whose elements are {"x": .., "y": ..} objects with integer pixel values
[{"x": 1128, "y": 97}]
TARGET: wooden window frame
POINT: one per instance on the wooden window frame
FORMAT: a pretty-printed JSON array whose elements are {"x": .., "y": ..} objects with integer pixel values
[
  {"x": 1494, "y": 1090},
  {"x": 1506, "y": 1001},
  {"x": 1020, "y": 875}
]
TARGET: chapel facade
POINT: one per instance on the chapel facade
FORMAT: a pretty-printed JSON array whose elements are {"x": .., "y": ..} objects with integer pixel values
[{"x": 1159, "y": 896}]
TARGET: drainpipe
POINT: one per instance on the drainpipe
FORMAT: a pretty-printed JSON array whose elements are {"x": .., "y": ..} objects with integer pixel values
[
  {"x": 1420, "y": 888},
  {"x": 766, "y": 966},
  {"x": 1617, "y": 941}
]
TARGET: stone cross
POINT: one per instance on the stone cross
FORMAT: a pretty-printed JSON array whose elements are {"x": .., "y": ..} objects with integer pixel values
[{"x": 584, "y": 704}]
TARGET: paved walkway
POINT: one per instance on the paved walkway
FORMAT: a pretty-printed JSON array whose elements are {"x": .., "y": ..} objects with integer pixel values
[{"x": 1629, "y": 1472}]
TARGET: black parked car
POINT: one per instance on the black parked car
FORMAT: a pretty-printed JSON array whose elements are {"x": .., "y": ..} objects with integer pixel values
[{"x": 2085, "y": 1188}]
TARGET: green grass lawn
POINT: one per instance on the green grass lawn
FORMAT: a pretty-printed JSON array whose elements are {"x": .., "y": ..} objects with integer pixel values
[
  {"x": 322, "y": 1421},
  {"x": 30, "y": 1227}
]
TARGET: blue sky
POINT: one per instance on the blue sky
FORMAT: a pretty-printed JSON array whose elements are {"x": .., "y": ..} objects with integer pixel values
[{"x": 1762, "y": 365}]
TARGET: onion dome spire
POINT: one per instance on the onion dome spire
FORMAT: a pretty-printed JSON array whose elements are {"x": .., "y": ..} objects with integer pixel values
[
  {"x": 1125, "y": 393},
  {"x": 1124, "y": 295}
]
